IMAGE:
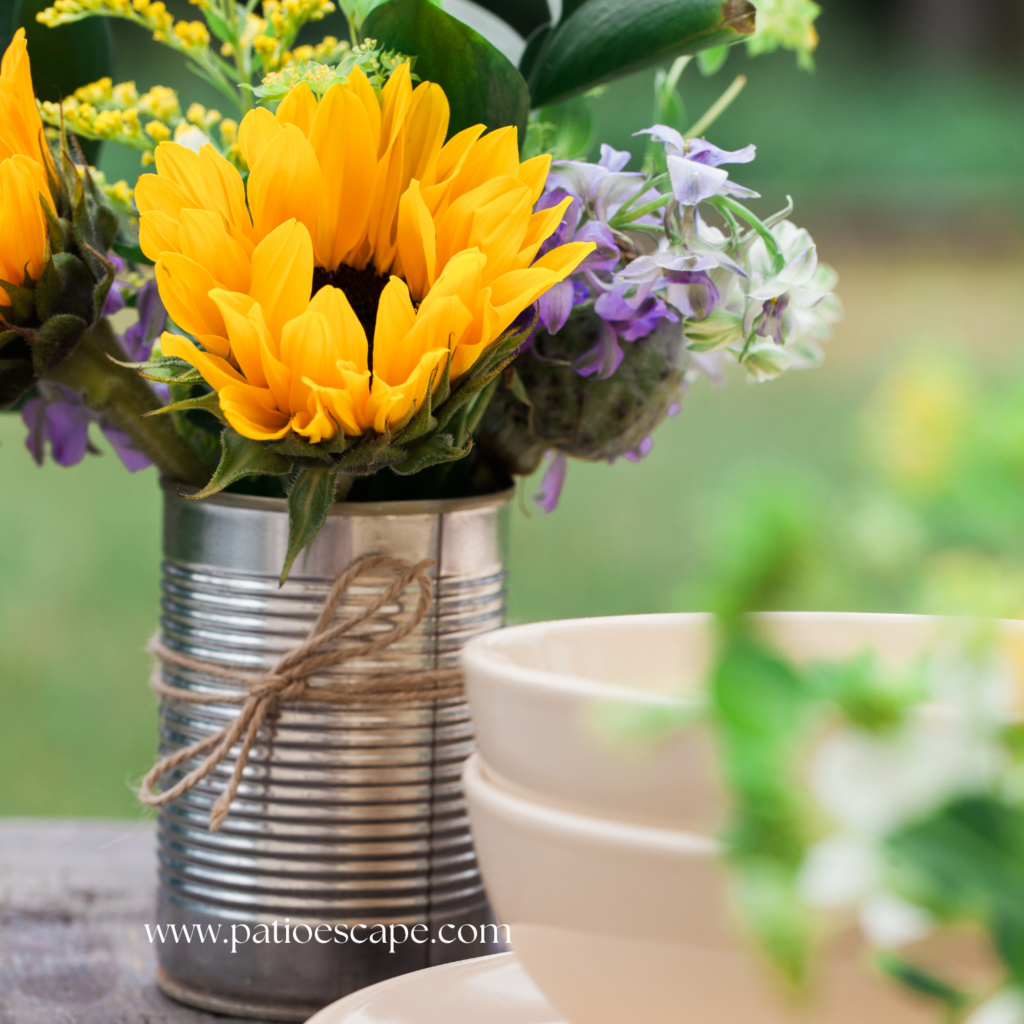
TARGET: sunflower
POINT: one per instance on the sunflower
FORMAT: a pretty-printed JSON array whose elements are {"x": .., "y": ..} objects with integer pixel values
[
  {"x": 363, "y": 255},
  {"x": 23, "y": 178}
]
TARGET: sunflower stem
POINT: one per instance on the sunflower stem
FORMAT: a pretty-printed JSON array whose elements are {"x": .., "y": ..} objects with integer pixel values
[{"x": 122, "y": 396}]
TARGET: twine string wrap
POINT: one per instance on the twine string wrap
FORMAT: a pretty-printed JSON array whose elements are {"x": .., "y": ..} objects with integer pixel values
[{"x": 262, "y": 694}]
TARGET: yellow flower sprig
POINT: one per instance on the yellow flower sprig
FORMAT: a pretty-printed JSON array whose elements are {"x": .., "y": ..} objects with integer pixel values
[
  {"x": 117, "y": 113},
  {"x": 231, "y": 48}
]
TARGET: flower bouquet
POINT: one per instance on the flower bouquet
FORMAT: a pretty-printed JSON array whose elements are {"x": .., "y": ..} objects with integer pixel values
[
  {"x": 384, "y": 285},
  {"x": 387, "y": 288}
]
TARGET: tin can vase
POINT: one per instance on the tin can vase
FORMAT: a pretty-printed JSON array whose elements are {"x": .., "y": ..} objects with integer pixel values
[{"x": 346, "y": 858}]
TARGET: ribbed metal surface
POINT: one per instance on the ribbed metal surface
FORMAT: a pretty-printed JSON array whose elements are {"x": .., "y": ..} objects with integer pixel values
[{"x": 344, "y": 815}]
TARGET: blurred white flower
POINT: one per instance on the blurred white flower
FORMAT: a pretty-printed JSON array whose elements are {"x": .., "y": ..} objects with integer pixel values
[
  {"x": 1005, "y": 1007},
  {"x": 888, "y": 921}
]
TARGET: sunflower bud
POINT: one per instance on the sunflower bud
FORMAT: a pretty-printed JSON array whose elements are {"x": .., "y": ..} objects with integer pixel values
[
  {"x": 547, "y": 405},
  {"x": 54, "y": 272}
]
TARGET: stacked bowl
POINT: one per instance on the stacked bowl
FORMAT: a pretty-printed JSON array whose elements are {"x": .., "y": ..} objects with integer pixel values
[{"x": 596, "y": 829}]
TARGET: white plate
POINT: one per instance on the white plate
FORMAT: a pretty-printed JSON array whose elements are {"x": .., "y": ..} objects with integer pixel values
[{"x": 487, "y": 990}]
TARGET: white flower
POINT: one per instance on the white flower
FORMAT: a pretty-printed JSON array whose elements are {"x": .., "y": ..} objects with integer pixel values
[
  {"x": 889, "y": 921},
  {"x": 191, "y": 137},
  {"x": 1005, "y": 1007}
]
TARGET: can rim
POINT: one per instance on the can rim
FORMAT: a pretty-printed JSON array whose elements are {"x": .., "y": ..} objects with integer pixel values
[{"x": 428, "y": 506}]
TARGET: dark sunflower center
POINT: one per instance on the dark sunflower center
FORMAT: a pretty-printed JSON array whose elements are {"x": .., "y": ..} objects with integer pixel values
[{"x": 362, "y": 288}]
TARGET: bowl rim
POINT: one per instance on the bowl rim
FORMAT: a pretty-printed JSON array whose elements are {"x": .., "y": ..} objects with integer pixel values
[
  {"x": 483, "y": 653},
  {"x": 593, "y": 829}
]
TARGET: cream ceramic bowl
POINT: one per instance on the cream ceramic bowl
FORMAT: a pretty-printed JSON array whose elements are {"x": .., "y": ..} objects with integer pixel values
[
  {"x": 567, "y": 712},
  {"x": 617, "y": 923}
]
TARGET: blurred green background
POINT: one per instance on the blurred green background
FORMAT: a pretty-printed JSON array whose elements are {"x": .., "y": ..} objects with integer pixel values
[{"x": 899, "y": 463}]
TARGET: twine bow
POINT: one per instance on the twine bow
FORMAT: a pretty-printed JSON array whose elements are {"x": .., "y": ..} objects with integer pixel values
[{"x": 287, "y": 682}]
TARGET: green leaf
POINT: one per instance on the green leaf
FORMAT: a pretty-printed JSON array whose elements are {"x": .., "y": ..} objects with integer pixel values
[
  {"x": 241, "y": 457},
  {"x": 921, "y": 981},
  {"x": 482, "y": 86},
  {"x": 132, "y": 253},
  {"x": 574, "y": 128},
  {"x": 309, "y": 501},
  {"x": 570, "y": 7},
  {"x": 66, "y": 285},
  {"x": 177, "y": 371},
  {"x": 525, "y": 16},
  {"x": 966, "y": 862},
  {"x": 715, "y": 331},
  {"x": 431, "y": 452},
  {"x": 535, "y": 47},
  {"x": 55, "y": 340},
  {"x": 711, "y": 61},
  {"x": 607, "y": 38},
  {"x": 206, "y": 403}
]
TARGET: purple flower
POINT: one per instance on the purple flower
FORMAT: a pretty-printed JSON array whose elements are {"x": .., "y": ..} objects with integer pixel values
[
  {"x": 645, "y": 272},
  {"x": 115, "y": 297},
  {"x": 138, "y": 339},
  {"x": 630, "y": 321},
  {"x": 692, "y": 293},
  {"x": 601, "y": 361},
  {"x": 641, "y": 450},
  {"x": 694, "y": 166},
  {"x": 57, "y": 416},
  {"x": 551, "y": 484},
  {"x": 602, "y": 188},
  {"x": 60, "y": 418}
]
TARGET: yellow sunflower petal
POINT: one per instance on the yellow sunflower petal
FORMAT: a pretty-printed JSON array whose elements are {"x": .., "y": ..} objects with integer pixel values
[
  {"x": 205, "y": 240},
  {"x": 439, "y": 328},
  {"x": 417, "y": 242},
  {"x": 345, "y": 147},
  {"x": 426, "y": 127},
  {"x": 20, "y": 125},
  {"x": 158, "y": 192},
  {"x": 395, "y": 318},
  {"x": 22, "y": 226},
  {"x": 298, "y": 108},
  {"x": 282, "y": 274},
  {"x": 158, "y": 233},
  {"x": 309, "y": 350},
  {"x": 216, "y": 371},
  {"x": 348, "y": 331},
  {"x": 396, "y": 96},
  {"x": 258, "y": 127},
  {"x": 346, "y": 406},
  {"x": 540, "y": 227},
  {"x": 495, "y": 154},
  {"x": 534, "y": 174},
  {"x": 185, "y": 289},
  {"x": 247, "y": 333},
  {"x": 252, "y": 412},
  {"x": 284, "y": 183},
  {"x": 457, "y": 226},
  {"x": 224, "y": 192},
  {"x": 389, "y": 406},
  {"x": 359, "y": 86}
]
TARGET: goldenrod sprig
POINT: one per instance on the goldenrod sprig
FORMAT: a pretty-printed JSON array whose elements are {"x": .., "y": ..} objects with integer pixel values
[{"x": 251, "y": 45}]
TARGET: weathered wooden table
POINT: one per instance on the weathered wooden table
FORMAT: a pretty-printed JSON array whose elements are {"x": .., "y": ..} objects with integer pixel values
[{"x": 75, "y": 897}]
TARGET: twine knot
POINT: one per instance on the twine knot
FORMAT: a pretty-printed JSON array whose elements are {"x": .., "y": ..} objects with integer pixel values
[{"x": 288, "y": 682}]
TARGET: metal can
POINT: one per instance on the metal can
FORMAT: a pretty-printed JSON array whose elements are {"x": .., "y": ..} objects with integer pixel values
[{"x": 346, "y": 858}]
